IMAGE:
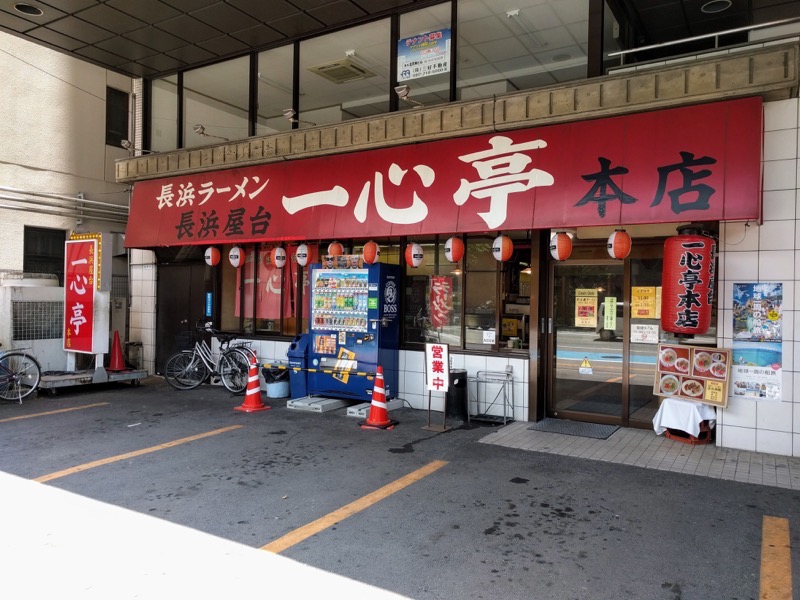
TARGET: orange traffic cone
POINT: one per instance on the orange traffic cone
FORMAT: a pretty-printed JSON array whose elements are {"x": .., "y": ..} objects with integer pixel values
[
  {"x": 252, "y": 395},
  {"x": 378, "y": 417},
  {"x": 116, "y": 363}
]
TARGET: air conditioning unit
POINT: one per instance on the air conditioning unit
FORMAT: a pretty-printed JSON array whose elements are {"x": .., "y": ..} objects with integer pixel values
[{"x": 342, "y": 70}]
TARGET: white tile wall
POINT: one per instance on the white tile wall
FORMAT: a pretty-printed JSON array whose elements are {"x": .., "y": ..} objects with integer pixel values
[
  {"x": 412, "y": 383},
  {"x": 768, "y": 252}
]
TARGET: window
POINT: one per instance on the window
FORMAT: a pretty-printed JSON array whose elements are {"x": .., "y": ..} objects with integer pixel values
[
  {"x": 116, "y": 117},
  {"x": 480, "y": 298},
  {"x": 216, "y": 97},
  {"x": 164, "y": 114},
  {"x": 274, "y": 87},
  {"x": 427, "y": 89},
  {"x": 44, "y": 251},
  {"x": 345, "y": 75},
  {"x": 531, "y": 45},
  {"x": 432, "y": 298}
]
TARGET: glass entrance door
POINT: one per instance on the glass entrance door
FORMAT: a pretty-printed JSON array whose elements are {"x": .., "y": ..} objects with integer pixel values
[{"x": 587, "y": 339}]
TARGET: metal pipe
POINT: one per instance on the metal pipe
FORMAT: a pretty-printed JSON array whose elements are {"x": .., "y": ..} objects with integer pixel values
[
  {"x": 63, "y": 197},
  {"x": 122, "y": 211}
]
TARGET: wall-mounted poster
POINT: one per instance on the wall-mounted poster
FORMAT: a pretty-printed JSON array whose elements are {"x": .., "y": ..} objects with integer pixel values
[
  {"x": 757, "y": 312},
  {"x": 586, "y": 307},
  {"x": 757, "y": 370}
]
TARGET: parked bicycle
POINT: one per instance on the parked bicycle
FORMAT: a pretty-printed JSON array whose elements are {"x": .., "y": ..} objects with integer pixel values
[
  {"x": 187, "y": 369},
  {"x": 20, "y": 374}
]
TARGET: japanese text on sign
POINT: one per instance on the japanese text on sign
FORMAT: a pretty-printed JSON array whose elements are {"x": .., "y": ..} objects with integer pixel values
[{"x": 437, "y": 367}]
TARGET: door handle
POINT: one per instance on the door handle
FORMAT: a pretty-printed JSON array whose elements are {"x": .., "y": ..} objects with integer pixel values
[{"x": 550, "y": 325}]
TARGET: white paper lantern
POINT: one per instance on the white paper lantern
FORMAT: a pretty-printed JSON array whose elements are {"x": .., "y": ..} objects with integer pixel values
[
  {"x": 278, "y": 257},
  {"x": 236, "y": 256},
  {"x": 301, "y": 255},
  {"x": 212, "y": 256}
]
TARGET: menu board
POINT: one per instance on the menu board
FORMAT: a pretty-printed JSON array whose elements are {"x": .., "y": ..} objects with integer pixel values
[{"x": 693, "y": 373}]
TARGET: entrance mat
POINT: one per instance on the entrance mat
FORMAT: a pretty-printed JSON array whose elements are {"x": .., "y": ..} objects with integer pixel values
[{"x": 577, "y": 428}]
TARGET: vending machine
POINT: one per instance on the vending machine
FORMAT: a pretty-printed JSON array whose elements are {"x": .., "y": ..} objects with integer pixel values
[{"x": 354, "y": 328}]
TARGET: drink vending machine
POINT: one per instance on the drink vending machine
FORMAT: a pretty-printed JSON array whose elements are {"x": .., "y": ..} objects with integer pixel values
[{"x": 355, "y": 317}]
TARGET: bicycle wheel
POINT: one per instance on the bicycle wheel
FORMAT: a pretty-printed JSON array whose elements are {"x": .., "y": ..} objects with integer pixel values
[
  {"x": 185, "y": 371},
  {"x": 234, "y": 370},
  {"x": 20, "y": 374}
]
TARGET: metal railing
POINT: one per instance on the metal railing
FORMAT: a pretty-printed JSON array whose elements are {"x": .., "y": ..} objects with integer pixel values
[{"x": 716, "y": 35}]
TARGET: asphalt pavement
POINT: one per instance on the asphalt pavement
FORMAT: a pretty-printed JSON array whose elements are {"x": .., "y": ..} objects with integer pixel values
[{"x": 415, "y": 512}]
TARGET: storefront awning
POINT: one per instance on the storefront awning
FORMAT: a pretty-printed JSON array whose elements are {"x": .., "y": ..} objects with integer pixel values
[{"x": 698, "y": 163}]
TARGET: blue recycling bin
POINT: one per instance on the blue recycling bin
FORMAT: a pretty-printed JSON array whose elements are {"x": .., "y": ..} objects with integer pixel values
[{"x": 297, "y": 355}]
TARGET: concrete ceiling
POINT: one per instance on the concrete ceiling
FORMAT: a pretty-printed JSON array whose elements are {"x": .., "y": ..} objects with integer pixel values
[{"x": 150, "y": 38}]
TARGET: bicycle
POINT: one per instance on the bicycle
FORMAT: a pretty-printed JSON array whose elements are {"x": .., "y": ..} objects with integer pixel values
[
  {"x": 20, "y": 374},
  {"x": 187, "y": 369}
]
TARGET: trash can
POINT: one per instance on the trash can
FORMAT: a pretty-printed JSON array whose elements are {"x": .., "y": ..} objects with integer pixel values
[
  {"x": 277, "y": 381},
  {"x": 297, "y": 355},
  {"x": 456, "y": 407}
]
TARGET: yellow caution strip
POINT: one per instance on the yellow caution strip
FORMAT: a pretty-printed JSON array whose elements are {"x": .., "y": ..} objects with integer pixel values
[
  {"x": 135, "y": 453},
  {"x": 331, "y": 519},
  {"x": 54, "y": 412},
  {"x": 278, "y": 367},
  {"x": 776, "y": 559}
]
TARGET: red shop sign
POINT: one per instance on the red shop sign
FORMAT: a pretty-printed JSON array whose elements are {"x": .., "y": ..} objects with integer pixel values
[
  {"x": 80, "y": 278},
  {"x": 687, "y": 284},
  {"x": 669, "y": 166}
]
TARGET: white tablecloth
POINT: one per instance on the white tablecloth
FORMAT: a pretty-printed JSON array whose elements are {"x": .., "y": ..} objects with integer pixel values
[{"x": 684, "y": 415}]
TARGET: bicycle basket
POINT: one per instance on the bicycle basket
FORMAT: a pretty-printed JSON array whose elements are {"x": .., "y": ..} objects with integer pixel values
[{"x": 184, "y": 341}]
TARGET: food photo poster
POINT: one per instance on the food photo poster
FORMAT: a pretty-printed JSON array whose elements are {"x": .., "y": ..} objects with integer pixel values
[{"x": 757, "y": 340}]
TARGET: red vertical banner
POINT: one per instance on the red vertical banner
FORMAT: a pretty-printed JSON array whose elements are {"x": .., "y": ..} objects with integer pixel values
[
  {"x": 441, "y": 300},
  {"x": 80, "y": 279}
]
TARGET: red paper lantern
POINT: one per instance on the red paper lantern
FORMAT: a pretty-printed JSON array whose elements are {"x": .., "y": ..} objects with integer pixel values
[
  {"x": 560, "y": 246},
  {"x": 236, "y": 256},
  {"x": 372, "y": 253},
  {"x": 301, "y": 255},
  {"x": 687, "y": 284},
  {"x": 619, "y": 244},
  {"x": 212, "y": 256},
  {"x": 414, "y": 255},
  {"x": 454, "y": 249},
  {"x": 335, "y": 249},
  {"x": 278, "y": 257}
]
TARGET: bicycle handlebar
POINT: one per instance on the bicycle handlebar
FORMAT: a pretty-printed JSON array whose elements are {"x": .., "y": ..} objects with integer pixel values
[{"x": 204, "y": 326}]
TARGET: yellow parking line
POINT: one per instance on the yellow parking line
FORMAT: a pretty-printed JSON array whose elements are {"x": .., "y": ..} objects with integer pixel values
[
  {"x": 776, "y": 559},
  {"x": 53, "y": 412},
  {"x": 118, "y": 457},
  {"x": 306, "y": 531}
]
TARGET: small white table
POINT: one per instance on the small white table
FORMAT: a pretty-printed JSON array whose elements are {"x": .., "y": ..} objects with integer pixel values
[{"x": 684, "y": 415}]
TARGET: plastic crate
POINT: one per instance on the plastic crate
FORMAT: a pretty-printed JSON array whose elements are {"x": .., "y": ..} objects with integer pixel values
[{"x": 706, "y": 435}]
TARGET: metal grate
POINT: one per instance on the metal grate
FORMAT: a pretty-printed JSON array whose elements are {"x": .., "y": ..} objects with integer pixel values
[
  {"x": 37, "y": 320},
  {"x": 119, "y": 286}
]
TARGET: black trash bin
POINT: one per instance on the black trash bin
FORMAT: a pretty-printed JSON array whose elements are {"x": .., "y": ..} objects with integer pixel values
[
  {"x": 297, "y": 354},
  {"x": 456, "y": 407}
]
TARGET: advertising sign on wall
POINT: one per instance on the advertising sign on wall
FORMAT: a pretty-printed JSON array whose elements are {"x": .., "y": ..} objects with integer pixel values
[
  {"x": 757, "y": 340},
  {"x": 667, "y": 166},
  {"x": 424, "y": 54}
]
